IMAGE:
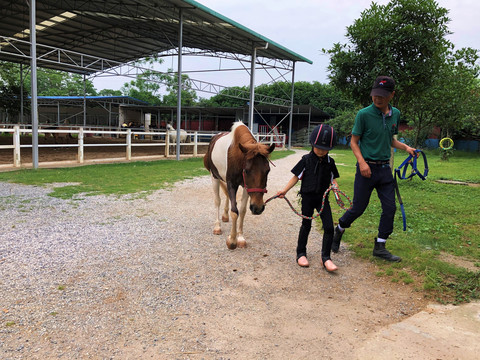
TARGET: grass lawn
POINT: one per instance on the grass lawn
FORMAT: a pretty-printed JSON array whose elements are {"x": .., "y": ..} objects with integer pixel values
[{"x": 442, "y": 219}]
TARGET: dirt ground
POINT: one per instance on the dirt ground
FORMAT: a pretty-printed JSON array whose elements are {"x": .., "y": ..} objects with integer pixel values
[{"x": 258, "y": 304}]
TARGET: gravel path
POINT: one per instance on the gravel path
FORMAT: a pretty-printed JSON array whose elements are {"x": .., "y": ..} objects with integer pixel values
[{"x": 144, "y": 277}]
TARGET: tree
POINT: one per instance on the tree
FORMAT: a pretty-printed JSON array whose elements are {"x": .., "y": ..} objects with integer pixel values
[
  {"x": 110, "y": 92},
  {"x": 49, "y": 82},
  {"x": 343, "y": 122},
  {"x": 189, "y": 96},
  {"x": 451, "y": 100},
  {"x": 227, "y": 98},
  {"x": 322, "y": 96},
  {"x": 10, "y": 99},
  {"x": 148, "y": 85},
  {"x": 60, "y": 83},
  {"x": 151, "y": 85},
  {"x": 406, "y": 39}
]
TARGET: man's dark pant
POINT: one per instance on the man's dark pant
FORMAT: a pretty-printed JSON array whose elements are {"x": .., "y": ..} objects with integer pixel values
[{"x": 382, "y": 181}]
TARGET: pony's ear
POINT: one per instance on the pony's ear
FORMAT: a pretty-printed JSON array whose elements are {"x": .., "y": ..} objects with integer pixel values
[
  {"x": 271, "y": 148},
  {"x": 243, "y": 148}
]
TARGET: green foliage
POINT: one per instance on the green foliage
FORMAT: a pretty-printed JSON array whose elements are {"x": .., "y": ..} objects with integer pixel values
[
  {"x": 60, "y": 83},
  {"x": 406, "y": 39},
  {"x": 10, "y": 99},
  {"x": 110, "y": 92},
  {"x": 446, "y": 154},
  {"x": 148, "y": 85},
  {"x": 343, "y": 122},
  {"x": 49, "y": 82},
  {"x": 323, "y": 96},
  {"x": 189, "y": 96},
  {"x": 227, "y": 98}
]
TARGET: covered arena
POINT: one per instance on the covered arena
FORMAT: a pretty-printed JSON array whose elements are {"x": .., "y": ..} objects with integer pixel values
[{"x": 96, "y": 38}]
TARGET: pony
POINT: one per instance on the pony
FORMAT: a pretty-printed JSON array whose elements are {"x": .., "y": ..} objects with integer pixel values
[
  {"x": 58, "y": 137},
  {"x": 184, "y": 137},
  {"x": 236, "y": 159}
]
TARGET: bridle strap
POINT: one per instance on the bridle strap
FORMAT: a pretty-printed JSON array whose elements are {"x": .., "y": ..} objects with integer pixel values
[
  {"x": 252, "y": 190},
  {"x": 412, "y": 160}
]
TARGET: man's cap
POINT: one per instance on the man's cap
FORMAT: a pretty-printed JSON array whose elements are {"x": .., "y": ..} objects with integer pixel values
[{"x": 383, "y": 86}]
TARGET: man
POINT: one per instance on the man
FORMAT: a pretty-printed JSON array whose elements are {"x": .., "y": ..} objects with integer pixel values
[{"x": 372, "y": 139}]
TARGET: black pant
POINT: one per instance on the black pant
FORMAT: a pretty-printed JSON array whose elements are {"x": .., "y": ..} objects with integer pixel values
[
  {"x": 310, "y": 202},
  {"x": 382, "y": 181}
]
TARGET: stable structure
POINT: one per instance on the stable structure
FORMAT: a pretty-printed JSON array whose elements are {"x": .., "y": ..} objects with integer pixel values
[
  {"x": 104, "y": 38},
  {"x": 112, "y": 113}
]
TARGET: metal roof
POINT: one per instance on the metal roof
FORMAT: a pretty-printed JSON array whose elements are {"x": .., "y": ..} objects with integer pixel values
[
  {"x": 43, "y": 100},
  {"x": 123, "y": 31}
]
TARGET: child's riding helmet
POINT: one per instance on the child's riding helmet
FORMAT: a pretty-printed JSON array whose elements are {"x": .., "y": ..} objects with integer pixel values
[{"x": 323, "y": 137}]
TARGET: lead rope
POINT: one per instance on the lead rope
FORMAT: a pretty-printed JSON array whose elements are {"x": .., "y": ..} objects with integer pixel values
[{"x": 339, "y": 201}]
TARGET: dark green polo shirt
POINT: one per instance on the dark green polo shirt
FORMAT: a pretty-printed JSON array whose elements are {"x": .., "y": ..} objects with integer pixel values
[{"x": 376, "y": 131}]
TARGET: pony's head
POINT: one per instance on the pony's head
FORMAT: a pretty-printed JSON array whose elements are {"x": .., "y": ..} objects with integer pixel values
[{"x": 255, "y": 173}]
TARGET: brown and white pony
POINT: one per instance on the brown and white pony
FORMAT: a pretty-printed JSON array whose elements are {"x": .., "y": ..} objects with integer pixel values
[{"x": 236, "y": 159}]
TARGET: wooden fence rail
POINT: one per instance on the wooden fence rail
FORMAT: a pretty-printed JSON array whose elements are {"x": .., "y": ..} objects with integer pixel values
[{"x": 197, "y": 139}]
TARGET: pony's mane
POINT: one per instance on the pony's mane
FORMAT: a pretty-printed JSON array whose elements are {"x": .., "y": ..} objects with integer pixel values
[{"x": 242, "y": 135}]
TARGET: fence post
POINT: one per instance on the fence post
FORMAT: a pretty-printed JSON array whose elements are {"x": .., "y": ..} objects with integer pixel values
[
  {"x": 16, "y": 146},
  {"x": 129, "y": 144},
  {"x": 80, "y": 158},
  {"x": 195, "y": 144},
  {"x": 167, "y": 144}
]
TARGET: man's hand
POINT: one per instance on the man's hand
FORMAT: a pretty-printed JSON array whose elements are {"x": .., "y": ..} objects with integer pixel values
[
  {"x": 365, "y": 169},
  {"x": 411, "y": 151}
]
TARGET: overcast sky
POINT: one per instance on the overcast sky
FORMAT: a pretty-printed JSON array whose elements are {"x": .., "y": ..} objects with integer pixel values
[{"x": 307, "y": 26}]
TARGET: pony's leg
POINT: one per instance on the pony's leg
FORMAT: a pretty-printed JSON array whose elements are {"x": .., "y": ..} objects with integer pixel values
[
  {"x": 232, "y": 238},
  {"x": 217, "y": 229},
  {"x": 241, "y": 242},
  {"x": 226, "y": 207}
]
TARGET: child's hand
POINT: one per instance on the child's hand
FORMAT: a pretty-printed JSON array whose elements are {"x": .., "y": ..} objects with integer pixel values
[{"x": 281, "y": 194}]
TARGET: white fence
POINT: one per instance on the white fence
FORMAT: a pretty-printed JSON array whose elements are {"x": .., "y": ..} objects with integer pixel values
[{"x": 197, "y": 139}]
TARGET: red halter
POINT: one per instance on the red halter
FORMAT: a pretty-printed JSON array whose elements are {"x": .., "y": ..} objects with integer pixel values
[{"x": 253, "y": 189}]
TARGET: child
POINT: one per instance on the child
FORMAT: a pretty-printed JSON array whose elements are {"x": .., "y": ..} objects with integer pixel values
[{"x": 317, "y": 171}]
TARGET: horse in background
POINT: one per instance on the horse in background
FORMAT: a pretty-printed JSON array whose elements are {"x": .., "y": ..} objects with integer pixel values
[
  {"x": 172, "y": 133},
  {"x": 58, "y": 137},
  {"x": 236, "y": 159}
]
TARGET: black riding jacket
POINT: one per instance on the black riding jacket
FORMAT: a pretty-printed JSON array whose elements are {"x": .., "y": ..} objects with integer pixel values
[{"x": 316, "y": 173}]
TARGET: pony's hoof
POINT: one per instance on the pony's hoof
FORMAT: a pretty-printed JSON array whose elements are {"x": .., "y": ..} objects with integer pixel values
[
  {"x": 225, "y": 218},
  {"x": 217, "y": 231},
  {"x": 230, "y": 244},
  {"x": 241, "y": 243}
]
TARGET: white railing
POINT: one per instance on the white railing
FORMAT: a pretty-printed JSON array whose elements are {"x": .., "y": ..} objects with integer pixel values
[{"x": 146, "y": 136}]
